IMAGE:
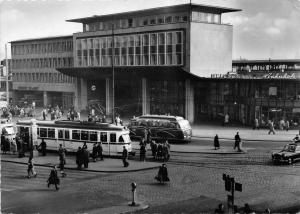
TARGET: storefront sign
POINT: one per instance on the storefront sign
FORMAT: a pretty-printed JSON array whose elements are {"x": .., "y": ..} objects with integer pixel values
[
  {"x": 255, "y": 76},
  {"x": 279, "y": 76}
]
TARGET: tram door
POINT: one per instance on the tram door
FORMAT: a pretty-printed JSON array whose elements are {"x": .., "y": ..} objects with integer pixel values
[
  {"x": 113, "y": 143},
  {"x": 105, "y": 143}
]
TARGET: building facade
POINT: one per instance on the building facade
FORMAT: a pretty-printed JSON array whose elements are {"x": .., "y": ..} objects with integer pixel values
[
  {"x": 35, "y": 78},
  {"x": 262, "y": 89},
  {"x": 147, "y": 62}
]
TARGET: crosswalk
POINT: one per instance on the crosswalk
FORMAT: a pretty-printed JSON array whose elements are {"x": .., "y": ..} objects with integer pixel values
[{"x": 14, "y": 177}]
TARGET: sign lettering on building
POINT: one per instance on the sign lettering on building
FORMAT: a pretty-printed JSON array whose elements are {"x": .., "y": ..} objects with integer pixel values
[{"x": 255, "y": 76}]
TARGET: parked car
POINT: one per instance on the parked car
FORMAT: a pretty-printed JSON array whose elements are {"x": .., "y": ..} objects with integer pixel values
[{"x": 289, "y": 154}]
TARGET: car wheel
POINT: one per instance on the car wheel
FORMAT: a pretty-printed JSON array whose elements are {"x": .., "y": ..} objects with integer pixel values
[{"x": 290, "y": 160}]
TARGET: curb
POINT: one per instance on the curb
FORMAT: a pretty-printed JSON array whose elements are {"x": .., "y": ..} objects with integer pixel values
[
  {"x": 217, "y": 153},
  {"x": 88, "y": 170},
  {"x": 259, "y": 140}
]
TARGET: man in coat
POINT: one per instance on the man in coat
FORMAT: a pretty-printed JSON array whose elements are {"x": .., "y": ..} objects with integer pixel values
[{"x": 125, "y": 156}]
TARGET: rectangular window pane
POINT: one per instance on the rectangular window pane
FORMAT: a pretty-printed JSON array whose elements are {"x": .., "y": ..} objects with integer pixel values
[
  {"x": 113, "y": 137},
  {"x": 75, "y": 134},
  {"x": 43, "y": 132},
  {"x": 103, "y": 137},
  {"x": 67, "y": 134},
  {"x": 60, "y": 133},
  {"x": 93, "y": 136},
  {"x": 84, "y": 135},
  {"x": 51, "y": 133}
]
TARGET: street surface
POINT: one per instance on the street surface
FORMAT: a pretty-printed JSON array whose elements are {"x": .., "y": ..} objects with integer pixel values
[{"x": 196, "y": 184}]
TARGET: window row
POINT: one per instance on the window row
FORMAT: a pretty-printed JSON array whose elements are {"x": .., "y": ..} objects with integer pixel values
[
  {"x": 206, "y": 17},
  {"x": 42, "y": 63},
  {"x": 82, "y": 135},
  {"x": 43, "y": 77},
  {"x": 136, "y": 22},
  {"x": 46, "y": 47},
  {"x": 164, "y": 48}
]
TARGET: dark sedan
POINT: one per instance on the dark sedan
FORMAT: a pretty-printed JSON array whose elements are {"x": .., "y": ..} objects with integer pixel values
[{"x": 289, "y": 154}]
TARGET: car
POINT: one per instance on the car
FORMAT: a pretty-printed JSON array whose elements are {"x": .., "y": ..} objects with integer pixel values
[{"x": 289, "y": 154}]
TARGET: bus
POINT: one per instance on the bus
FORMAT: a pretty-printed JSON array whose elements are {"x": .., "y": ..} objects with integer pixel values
[
  {"x": 72, "y": 134},
  {"x": 171, "y": 128}
]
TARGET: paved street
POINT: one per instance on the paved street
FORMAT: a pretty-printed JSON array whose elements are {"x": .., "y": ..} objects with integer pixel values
[{"x": 196, "y": 185}]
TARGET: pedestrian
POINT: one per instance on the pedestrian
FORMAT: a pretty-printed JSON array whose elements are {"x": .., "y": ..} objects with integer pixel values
[
  {"x": 256, "y": 124},
  {"x": 62, "y": 162},
  {"x": 220, "y": 209},
  {"x": 43, "y": 147},
  {"x": 30, "y": 169},
  {"x": 100, "y": 151},
  {"x": 84, "y": 146},
  {"x": 44, "y": 112},
  {"x": 237, "y": 141},
  {"x": 53, "y": 178},
  {"x": 124, "y": 157},
  {"x": 226, "y": 120},
  {"x": 271, "y": 127},
  {"x": 94, "y": 152},
  {"x": 86, "y": 158},
  {"x": 79, "y": 158},
  {"x": 142, "y": 152},
  {"x": 153, "y": 148},
  {"x": 287, "y": 125},
  {"x": 216, "y": 142},
  {"x": 148, "y": 136}
]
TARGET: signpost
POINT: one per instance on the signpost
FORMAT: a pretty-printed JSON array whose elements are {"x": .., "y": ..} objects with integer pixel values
[{"x": 231, "y": 186}]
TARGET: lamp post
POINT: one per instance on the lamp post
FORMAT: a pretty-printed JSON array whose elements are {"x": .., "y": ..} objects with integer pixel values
[{"x": 113, "y": 73}]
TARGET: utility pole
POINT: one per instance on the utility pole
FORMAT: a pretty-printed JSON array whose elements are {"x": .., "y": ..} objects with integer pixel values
[
  {"x": 7, "y": 74},
  {"x": 113, "y": 73}
]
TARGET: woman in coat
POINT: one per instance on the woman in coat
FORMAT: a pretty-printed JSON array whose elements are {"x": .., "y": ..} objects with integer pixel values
[
  {"x": 53, "y": 178},
  {"x": 216, "y": 142}
]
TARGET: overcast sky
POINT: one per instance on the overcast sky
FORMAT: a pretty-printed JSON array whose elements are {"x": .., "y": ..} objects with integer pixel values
[{"x": 264, "y": 29}]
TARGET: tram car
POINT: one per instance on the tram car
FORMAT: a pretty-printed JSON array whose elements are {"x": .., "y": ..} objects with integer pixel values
[{"x": 72, "y": 134}]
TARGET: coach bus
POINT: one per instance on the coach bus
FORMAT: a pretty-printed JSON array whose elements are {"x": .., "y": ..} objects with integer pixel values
[
  {"x": 172, "y": 128},
  {"x": 72, "y": 134}
]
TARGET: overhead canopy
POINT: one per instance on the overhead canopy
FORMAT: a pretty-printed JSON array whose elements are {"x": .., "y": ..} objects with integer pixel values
[{"x": 153, "y": 72}]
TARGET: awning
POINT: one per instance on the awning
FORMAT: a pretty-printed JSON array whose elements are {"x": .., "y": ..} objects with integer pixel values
[{"x": 153, "y": 72}]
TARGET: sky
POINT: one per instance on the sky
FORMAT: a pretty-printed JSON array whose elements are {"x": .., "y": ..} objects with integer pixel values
[{"x": 263, "y": 29}]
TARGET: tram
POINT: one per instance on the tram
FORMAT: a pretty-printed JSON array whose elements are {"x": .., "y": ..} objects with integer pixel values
[
  {"x": 72, "y": 134},
  {"x": 172, "y": 128}
]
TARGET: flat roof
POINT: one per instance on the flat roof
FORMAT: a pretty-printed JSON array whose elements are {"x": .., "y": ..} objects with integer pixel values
[
  {"x": 265, "y": 61},
  {"x": 151, "y": 11},
  {"x": 43, "y": 38}
]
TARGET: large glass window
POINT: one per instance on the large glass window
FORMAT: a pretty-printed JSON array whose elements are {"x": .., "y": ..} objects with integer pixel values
[
  {"x": 103, "y": 136},
  {"x": 76, "y": 134},
  {"x": 84, "y": 135},
  {"x": 113, "y": 137},
  {"x": 93, "y": 136}
]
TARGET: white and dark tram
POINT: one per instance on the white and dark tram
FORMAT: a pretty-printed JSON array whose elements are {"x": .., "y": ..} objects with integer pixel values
[{"x": 72, "y": 134}]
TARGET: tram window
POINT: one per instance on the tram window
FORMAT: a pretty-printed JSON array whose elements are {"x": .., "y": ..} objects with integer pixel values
[
  {"x": 67, "y": 134},
  {"x": 43, "y": 132},
  {"x": 60, "y": 133},
  {"x": 121, "y": 140},
  {"x": 113, "y": 137},
  {"x": 103, "y": 137},
  {"x": 93, "y": 136},
  {"x": 51, "y": 133},
  {"x": 38, "y": 132},
  {"x": 75, "y": 134},
  {"x": 84, "y": 135}
]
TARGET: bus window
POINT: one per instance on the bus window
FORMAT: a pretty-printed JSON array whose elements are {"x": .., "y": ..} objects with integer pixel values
[
  {"x": 75, "y": 134},
  {"x": 60, "y": 133},
  {"x": 103, "y": 137},
  {"x": 113, "y": 137},
  {"x": 51, "y": 133},
  {"x": 84, "y": 135},
  {"x": 43, "y": 132},
  {"x": 67, "y": 134},
  {"x": 93, "y": 136},
  {"x": 121, "y": 140}
]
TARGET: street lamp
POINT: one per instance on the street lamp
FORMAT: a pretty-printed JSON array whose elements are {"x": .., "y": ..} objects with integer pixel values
[{"x": 113, "y": 72}]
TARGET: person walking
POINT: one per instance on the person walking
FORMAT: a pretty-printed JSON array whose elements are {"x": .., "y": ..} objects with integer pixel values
[
  {"x": 100, "y": 151},
  {"x": 142, "y": 152},
  {"x": 43, "y": 147},
  {"x": 256, "y": 124},
  {"x": 79, "y": 158},
  {"x": 287, "y": 125},
  {"x": 53, "y": 178},
  {"x": 30, "y": 169},
  {"x": 237, "y": 141},
  {"x": 271, "y": 127},
  {"x": 62, "y": 159},
  {"x": 94, "y": 152},
  {"x": 216, "y": 142},
  {"x": 124, "y": 157},
  {"x": 84, "y": 146},
  {"x": 86, "y": 158}
]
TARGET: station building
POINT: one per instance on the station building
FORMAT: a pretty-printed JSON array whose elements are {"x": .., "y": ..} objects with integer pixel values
[
  {"x": 150, "y": 61},
  {"x": 35, "y": 78}
]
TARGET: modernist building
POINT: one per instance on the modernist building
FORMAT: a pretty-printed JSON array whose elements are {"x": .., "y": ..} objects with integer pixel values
[
  {"x": 35, "y": 78},
  {"x": 150, "y": 61},
  {"x": 262, "y": 89}
]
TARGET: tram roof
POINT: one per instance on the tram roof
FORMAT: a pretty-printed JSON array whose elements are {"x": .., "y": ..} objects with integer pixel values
[
  {"x": 73, "y": 124},
  {"x": 162, "y": 117}
]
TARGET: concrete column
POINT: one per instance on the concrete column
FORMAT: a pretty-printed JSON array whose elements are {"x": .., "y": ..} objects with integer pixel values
[
  {"x": 45, "y": 98},
  {"x": 77, "y": 93},
  {"x": 189, "y": 101},
  {"x": 145, "y": 97},
  {"x": 108, "y": 96},
  {"x": 83, "y": 96}
]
